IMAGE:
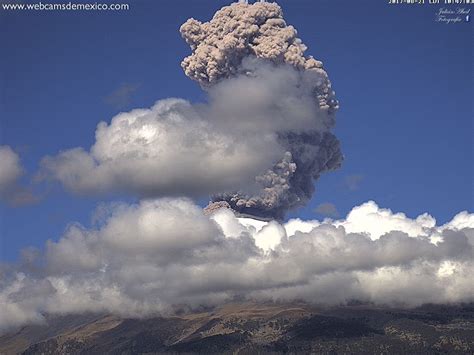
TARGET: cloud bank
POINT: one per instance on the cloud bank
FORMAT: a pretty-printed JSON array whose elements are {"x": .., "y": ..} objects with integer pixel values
[
  {"x": 145, "y": 259},
  {"x": 258, "y": 143}
]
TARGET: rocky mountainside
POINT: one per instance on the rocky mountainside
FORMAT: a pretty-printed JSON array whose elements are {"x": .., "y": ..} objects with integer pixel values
[{"x": 249, "y": 328}]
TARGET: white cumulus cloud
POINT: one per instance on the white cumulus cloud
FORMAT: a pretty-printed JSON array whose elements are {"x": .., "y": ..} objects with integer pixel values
[
  {"x": 169, "y": 149},
  {"x": 140, "y": 260},
  {"x": 10, "y": 169}
]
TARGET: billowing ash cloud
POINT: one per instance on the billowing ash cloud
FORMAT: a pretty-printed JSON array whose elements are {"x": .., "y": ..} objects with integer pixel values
[
  {"x": 221, "y": 48},
  {"x": 141, "y": 260},
  {"x": 258, "y": 142},
  {"x": 244, "y": 30}
]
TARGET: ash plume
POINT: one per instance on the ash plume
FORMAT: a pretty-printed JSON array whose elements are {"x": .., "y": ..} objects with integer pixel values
[
  {"x": 258, "y": 143},
  {"x": 222, "y": 49}
]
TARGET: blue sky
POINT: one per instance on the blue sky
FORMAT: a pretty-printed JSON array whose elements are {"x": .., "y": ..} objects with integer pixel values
[{"x": 404, "y": 82}]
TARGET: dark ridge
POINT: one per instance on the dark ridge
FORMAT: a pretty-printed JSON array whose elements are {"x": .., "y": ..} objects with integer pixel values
[
  {"x": 213, "y": 344},
  {"x": 330, "y": 327}
]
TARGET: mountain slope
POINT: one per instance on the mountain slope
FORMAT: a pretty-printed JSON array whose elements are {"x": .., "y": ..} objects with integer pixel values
[{"x": 252, "y": 327}]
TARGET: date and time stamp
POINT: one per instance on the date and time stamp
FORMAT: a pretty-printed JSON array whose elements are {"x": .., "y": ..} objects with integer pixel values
[{"x": 450, "y": 12}]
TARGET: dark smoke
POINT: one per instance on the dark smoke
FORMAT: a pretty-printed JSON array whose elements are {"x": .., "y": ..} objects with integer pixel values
[{"x": 221, "y": 49}]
